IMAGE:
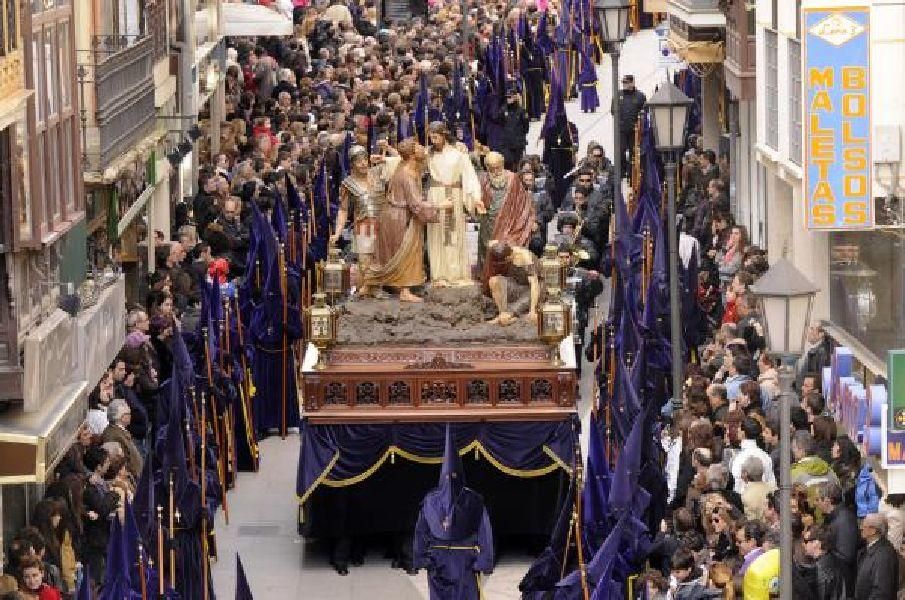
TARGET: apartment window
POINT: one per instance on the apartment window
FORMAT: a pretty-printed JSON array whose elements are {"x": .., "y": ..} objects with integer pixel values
[
  {"x": 68, "y": 179},
  {"x": 53, "y": 77},
  {"x": 795, "y": 101},
  {"x": 6, "y": 188},
  {"x": 64, "y": 53},
  {"x": 53, "y": 182},
  {"x": 772, "y": 70},
  {"x": 49, "y": 48},
  {"x": 23, "y": 192},
  {"x": 38, "y": 74}
]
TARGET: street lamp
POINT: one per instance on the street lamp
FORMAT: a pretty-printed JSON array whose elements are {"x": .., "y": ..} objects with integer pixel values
[
  {"x": 785, "y": 298},
  {"x": 613, "y": 18},
  {"x": 669, "y": 111}
]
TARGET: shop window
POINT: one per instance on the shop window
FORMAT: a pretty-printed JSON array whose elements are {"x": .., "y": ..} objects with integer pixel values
[{"x": 867, "y": 288}]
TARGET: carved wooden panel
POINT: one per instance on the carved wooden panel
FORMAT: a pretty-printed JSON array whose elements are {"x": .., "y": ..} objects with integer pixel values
[
  {"x": 335, "y": 393},
  {"x": 367, "y": 392},
  {"x": 510, "y": 391},
  {"x": 438, "y": 392},
  {"x": 400, "y": 392},
  {"x": 541, "y": 390},
  {"x": 437, "y": 384},
  {"x": 477, "y": 391}
]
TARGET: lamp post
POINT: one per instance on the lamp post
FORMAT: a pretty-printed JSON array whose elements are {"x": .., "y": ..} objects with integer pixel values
[
  {"x": 613, "y": 18},
  {"x": 669, "y": 111},
  {"x": 785, "y": 298}
]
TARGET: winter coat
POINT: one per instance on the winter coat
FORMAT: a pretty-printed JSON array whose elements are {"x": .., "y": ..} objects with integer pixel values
[
  {"x": 830, "y": 579},
  {"x": 878, "y": 572}
]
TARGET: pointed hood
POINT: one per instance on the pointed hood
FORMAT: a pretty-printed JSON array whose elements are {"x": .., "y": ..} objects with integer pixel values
[
  {"x": 452, "y": 475},
  {"x": 243, "y": 590},
  {"x": 452, "y": 511}
]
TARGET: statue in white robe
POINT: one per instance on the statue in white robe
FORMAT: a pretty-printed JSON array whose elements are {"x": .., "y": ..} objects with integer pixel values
[{"x": 455, "y": 190}]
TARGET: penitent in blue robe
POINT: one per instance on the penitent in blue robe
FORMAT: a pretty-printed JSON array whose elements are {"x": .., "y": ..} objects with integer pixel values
[
  {"x": 453, "y": 539},
  {"x": 587, "y": 82}
]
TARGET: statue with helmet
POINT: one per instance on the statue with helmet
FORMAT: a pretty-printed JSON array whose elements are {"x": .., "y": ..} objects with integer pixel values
[{"x": 362, "y": 195}]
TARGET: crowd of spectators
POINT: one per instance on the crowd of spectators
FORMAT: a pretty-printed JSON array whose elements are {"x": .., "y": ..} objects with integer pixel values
[
  {"x": 290, "y": 103},
  {"x": 70, "y": 526},
  {"x": 721, "y": 441}
]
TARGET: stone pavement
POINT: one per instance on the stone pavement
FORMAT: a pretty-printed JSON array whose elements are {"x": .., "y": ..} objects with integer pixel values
[{"x": 263, "y": 507}]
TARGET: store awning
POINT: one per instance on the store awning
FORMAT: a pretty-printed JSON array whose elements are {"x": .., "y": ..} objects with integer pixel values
[{"x": 241, "y": 19}]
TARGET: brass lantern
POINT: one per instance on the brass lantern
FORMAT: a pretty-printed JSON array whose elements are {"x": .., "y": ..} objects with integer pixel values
[
  {"x": 335, "y": 275},
  {"x": 553, "y": 269},
  {"x": 321, "y": 327},
  {"x": 554, "y": 322}
]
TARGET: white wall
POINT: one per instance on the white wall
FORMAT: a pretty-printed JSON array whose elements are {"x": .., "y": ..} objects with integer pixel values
[{"x": 785, "y": 211}]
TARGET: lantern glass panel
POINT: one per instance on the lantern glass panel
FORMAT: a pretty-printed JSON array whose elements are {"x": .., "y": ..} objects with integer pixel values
[
  {"x": 678, "y": 125},
  {"x": 773, "y": 309},
  {"x": 623, "y": 23},
  {"x": 662, "y": 126},
  {"x": 799, "y": 318},
  {"x": 333, "y": 281},
  {"x": 320, "y": 327},
  {"x": 553, "y": 323}
]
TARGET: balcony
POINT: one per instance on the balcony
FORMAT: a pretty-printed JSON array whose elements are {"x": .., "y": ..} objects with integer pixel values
[
  {"x": 741, "y": 50},
  {"x": 697, "y": 29},
  {"x": 121, "y": 69},
  {"x": 698, "y": 16}
]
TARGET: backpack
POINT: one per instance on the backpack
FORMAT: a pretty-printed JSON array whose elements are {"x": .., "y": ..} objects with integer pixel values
[{"x": 867, "y": 495}]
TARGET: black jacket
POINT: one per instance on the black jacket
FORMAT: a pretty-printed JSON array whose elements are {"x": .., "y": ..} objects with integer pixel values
[
  {"x": 878, "y": 572},
  {"x": 631, "y": 102},
  {"x": 97, "y": 531},
  {"x": 830, "y": 582},
  {"x": 514, "y": 121},
  {"x": 843, "y": 524}
]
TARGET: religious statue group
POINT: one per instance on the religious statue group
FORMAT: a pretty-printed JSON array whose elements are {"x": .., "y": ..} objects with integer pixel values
[{"x": 395, "y": 213}]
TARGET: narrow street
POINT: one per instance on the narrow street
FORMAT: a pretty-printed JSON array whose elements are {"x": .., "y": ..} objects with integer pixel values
[{"x": 263, "y": 508}]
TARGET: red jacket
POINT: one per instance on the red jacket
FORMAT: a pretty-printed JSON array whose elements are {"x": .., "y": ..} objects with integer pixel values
[
  {"x": 730, "y": 315},
  {"x": 47, "y": 592}
]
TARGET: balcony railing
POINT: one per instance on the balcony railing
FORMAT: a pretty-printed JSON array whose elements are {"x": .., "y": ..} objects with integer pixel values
[{"x": 121, "y": 69}]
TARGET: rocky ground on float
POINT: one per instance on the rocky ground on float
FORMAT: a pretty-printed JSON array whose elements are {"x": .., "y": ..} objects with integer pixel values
[{"x": 454, "y": 315}]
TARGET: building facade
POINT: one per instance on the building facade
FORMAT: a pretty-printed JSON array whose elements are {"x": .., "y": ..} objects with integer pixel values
[
  {"x": 860, "y": 270},
  {"x": 45, "y": 370}
]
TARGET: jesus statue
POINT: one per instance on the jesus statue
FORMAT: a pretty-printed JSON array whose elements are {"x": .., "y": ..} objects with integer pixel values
[{"x": 454, "y": 190}]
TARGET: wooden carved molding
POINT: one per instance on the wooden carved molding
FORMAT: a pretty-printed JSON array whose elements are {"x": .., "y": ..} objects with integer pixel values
[
  {"x": 528, "y": 354},
  {"x": 438, "y": 362}
]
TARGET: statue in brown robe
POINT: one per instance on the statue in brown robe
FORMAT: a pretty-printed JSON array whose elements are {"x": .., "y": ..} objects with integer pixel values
[{"x": 399, "y": 256}]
